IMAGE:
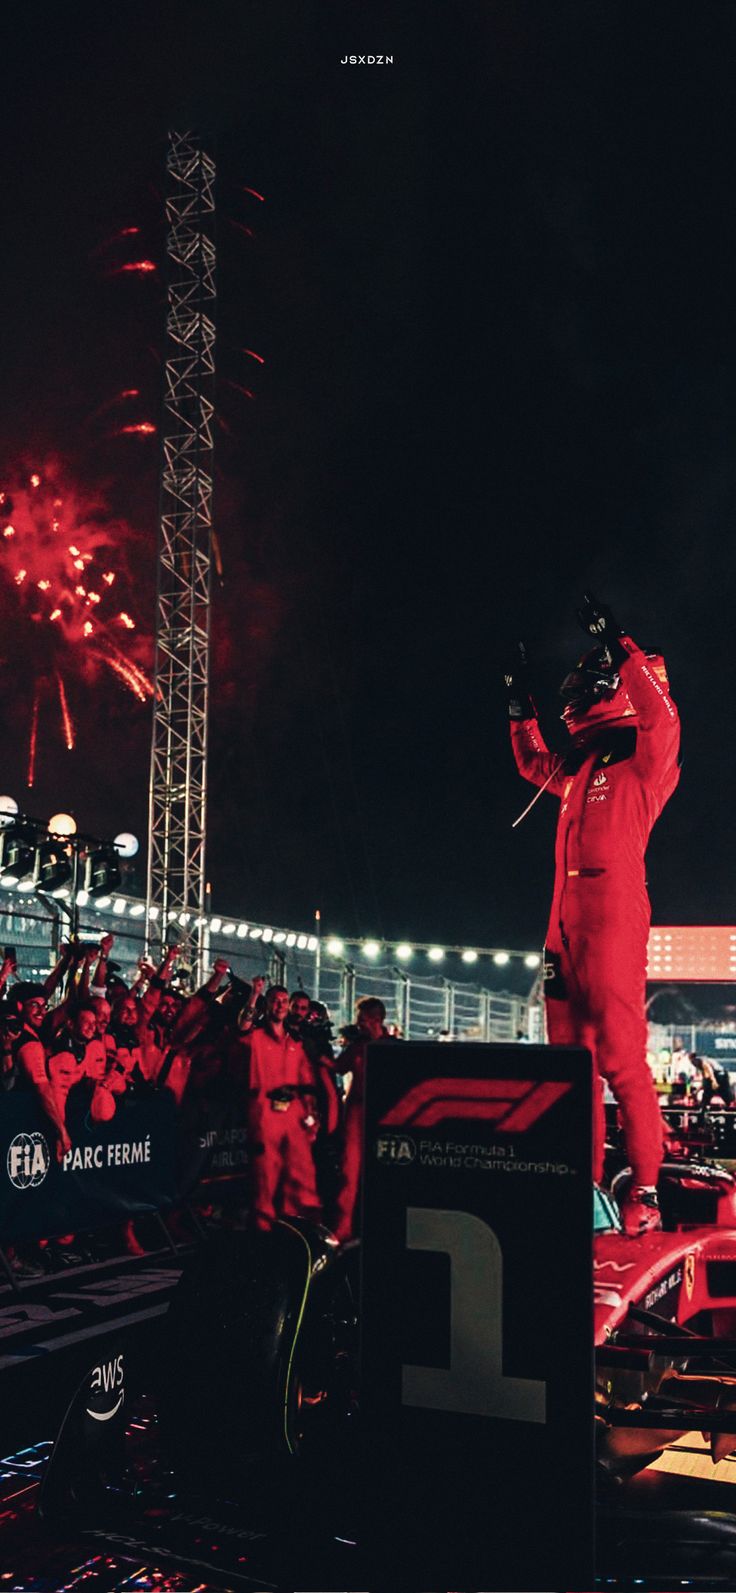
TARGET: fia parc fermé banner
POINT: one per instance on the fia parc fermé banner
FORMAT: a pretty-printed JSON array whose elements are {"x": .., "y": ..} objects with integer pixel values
[
  {"x": 477, "y": 1346},
  {"x": 122, "y": 1167}
]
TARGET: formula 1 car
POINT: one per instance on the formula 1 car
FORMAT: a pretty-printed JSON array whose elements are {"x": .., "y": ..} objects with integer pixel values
[{"x": 665, "y": 1334}]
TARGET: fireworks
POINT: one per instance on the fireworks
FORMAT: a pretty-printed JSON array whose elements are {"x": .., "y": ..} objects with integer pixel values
[{"x": 59, "y": 600}]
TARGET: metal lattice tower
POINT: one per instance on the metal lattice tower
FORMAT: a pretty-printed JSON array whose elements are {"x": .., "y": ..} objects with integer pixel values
[{"x": 178, "y": 783}]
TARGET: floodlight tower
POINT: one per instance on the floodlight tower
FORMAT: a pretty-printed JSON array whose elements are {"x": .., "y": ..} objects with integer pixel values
[{"x": 178, "y": 782}]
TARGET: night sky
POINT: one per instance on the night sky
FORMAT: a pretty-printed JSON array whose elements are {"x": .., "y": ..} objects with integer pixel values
[{"x": 494, "y": 286}]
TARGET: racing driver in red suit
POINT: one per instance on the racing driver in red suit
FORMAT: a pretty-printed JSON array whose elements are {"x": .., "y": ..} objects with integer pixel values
[{"x": 613, "y": 782}]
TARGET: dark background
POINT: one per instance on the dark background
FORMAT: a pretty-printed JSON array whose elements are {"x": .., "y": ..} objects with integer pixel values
[{"x": 494, "y": 287}]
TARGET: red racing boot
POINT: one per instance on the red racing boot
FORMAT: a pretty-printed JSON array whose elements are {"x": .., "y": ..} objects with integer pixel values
[{"x": 640, "y": 1211}]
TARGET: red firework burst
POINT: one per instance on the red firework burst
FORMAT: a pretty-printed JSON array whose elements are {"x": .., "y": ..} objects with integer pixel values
[{"x": 66, "y": 597}]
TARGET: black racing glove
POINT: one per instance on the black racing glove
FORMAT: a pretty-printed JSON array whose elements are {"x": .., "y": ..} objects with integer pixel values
[
  {"x": 598, "y": 622},
  {"x": 516, "y": 677}
]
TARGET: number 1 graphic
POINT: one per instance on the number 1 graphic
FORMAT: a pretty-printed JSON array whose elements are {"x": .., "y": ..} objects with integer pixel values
[{"x": 474, "y": 1384}]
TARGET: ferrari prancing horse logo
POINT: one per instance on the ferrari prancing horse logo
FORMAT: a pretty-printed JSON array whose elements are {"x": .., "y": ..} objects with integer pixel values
[{"x": 689, "y": 1275}]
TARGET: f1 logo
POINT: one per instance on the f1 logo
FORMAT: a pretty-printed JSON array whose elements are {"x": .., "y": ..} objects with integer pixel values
[
  {"x": 514, "y": 1105},
  {"x": 474, "y": 1384}
]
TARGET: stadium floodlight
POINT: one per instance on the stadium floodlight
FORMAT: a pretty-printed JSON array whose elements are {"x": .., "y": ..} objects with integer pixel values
[
  {"x": 18, "y": 853},
  {"x": 279, "y": 936},
  {"x": 25, "y": 886},
  {"x": 291, "y": 939},
  {"x": 126, "y": 845},
  {"x": 54, "y": 866},
  {"x": 501, "y": 958},
  {"x": 371, "y": 948},
  {"x": 312, "y": 943},
  {"x": 62, "y": 824},
  {"x": 101, "y": 871},
  {"x": 335, "y": 946},
  {"x": 404, "y": 951},
  {"x": 153, "y": 911},
  {"x": 138, "y": 909},
  {"x": 301, "y": 942},
  {"x": 242, "y": 931},
  {"x": 228, "y": 929},
  {"x": 83, "y": 898},
  {"x": 470, "y": 955},
  {"x": 268, "y": 934},
  {"x": 216, "y": 925},
  {"x": 103, "y": 902},
  {"x": 8, "y": 811},
  {"x": 436, "y": 953},
  {"x": 532, "y": 960},
  {"x": 119, "y": 905},
  {"x": 256, "y": 932}
]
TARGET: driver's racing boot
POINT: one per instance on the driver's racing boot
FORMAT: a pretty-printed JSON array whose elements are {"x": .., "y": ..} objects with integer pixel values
[{"x": 640, "y": 1211}]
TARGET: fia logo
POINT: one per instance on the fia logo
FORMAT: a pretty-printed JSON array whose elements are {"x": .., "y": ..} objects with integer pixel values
[
  {"x": 28, "y": 1160},
  {"x": 396, "y": 1148},
  {"x": 107, "y": 1381}
]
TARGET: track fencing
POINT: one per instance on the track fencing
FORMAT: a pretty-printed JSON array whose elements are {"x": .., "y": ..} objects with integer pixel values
[{"x": 421, "y": 1007}]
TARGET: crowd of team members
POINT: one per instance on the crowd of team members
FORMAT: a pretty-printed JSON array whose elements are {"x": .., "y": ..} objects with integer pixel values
[{"x": 83, "y": 1040}]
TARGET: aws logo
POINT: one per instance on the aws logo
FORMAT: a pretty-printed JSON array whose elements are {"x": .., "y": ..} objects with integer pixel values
[{"x": 107, "y": 1385}]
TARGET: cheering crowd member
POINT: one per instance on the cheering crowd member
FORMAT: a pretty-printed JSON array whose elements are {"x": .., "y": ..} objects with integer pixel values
[
  {"x": 371, "y": 1027},
  {"x": 270, "y": 1054},
  {"x": 613, "y": 782}
]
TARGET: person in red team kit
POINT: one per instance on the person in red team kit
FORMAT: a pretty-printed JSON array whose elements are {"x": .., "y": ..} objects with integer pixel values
[
  {"x": 282, "y": 1121},
  {"x": 613, "y": 782}
]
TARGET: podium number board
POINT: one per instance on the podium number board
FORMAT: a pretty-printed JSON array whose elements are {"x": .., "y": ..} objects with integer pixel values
[{"x": 477, "y": 1340}]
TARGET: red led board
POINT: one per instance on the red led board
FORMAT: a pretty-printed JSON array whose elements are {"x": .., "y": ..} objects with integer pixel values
[{"x": 697, "y": 952}]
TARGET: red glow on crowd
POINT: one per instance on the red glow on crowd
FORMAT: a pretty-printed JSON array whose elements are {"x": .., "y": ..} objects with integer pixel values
[{"x": 54, "y": 572}]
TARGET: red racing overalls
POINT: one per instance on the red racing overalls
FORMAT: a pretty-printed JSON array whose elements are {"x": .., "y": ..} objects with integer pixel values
[
  {"x": 283, "y": 1180},
  {"x": 596, "y": 952}
]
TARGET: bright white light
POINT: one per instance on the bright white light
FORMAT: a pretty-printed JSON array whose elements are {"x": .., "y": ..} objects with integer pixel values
[
  {"x": 335, "y": 946},
  {"x": 501, "y": 958},
  {"x": 312, "y": 943},
  {"x": 404, "y": 951},
  {"x": 228, "y": 929},
  {"x": 279, "y": 936},
  {"x": 256, "y": 932},
  {"x": 216, "y": 926},
  {"x": 8, "y": 810},
  {"x": 242, "y": 931},
  {"x": 371, "y": 948},
  {"x": 153, "y": 914},
  {"x": 435, "y": 953},
  {"x": 103, "y": 902},
  {"x": 61, "y": 893},
  {"x": 62, "y": 824},
  {"x": 291, "y": 938},
  {"x": 119, "y": 905},
  {"x": 533, "y": 960},
  {"x": 83, "y": 898},
  {"x": 268, "y": 934},
  {"x": 171, "y": 915},
  {"x": 138, "y": 909},
  {"x": 470, "y": 955},
  {"x": 126, "y": 845},
  {"x": 26, "y": 885},
  {"x": 301, "y": 942},
  {"x": 184, "y": 919}
]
